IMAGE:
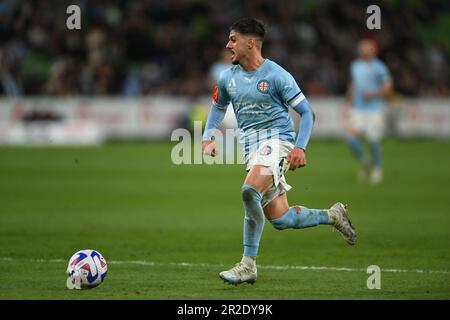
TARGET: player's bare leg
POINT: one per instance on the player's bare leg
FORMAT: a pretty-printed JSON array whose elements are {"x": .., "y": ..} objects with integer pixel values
[{"x": 277, "y": 207}]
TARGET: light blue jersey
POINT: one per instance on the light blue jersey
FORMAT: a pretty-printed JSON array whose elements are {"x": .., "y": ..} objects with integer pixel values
[
  {"x": 260, "y": 100},
  {"x": 368, "y": 76}
]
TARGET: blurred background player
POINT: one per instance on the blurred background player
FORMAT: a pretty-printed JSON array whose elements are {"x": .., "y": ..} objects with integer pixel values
[{"x": 370, "y": 85}]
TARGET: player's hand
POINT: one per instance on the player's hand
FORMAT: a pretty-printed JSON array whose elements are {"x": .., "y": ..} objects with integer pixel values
[
  {"x": 296, "y": 158},
  {"x": 209, "y": 148}
]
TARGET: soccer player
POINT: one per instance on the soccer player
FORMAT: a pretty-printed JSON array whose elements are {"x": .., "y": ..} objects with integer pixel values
[
  {"x": 261, "y": 93},
  {"x": 370, "y": 84}
]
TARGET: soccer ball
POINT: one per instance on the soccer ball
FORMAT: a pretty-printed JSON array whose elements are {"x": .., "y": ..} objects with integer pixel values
[{"x": 87, "y": 269}]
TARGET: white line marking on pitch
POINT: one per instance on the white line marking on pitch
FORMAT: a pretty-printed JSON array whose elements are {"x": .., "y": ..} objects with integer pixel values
[{"x": 209, "y": 265}]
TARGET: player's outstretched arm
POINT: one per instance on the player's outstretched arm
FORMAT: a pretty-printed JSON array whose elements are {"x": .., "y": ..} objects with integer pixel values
[
  {"x": 213, "y": 122},
  {"x": 297, "y": 157}
]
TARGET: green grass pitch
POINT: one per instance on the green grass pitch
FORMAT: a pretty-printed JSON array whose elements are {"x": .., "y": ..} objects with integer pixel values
[{"x": 166, "y": 231}]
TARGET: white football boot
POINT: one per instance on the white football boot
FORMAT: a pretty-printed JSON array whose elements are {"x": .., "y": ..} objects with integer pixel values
[
  {"x": 240, "y": 273},
  {"x": 341, "y": 222}
]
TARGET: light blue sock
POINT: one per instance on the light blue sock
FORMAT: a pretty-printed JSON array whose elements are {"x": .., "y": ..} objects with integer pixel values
[
  {"x": 303, "y": 218},
  {"x": 375, "y": 149},
  {"x": 356, "y": 147},
  {"x": 253, "y": 221}
]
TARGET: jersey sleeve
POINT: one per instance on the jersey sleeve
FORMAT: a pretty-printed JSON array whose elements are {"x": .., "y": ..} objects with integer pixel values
[
  {"x": 221, "y": 98},
  {"x": 288, "y": 89}
]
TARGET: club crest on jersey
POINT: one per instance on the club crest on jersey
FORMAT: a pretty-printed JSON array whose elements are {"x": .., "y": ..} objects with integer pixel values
[
  {"x": 263, "y": 86},
  {"x": 265, "y": 151}
]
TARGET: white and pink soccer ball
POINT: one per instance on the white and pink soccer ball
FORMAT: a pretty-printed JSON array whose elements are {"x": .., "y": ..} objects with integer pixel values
[{"x": 87, "y": 269}]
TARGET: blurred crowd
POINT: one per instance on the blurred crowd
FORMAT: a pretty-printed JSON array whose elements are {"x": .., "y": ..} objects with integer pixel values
[{"x": 173, "y": 46}]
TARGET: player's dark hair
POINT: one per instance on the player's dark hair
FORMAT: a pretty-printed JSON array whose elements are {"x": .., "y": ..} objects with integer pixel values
[{"x": 249, "y": 26}]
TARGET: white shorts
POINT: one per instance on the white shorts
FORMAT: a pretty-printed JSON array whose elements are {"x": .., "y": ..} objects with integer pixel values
[
  {"x": 367, "y": 123},
  {"x": 272, "y": 154}
]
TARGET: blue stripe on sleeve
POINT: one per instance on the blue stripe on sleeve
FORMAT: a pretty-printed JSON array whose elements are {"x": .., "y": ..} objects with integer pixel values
[{"x": 306, "y": 123}]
